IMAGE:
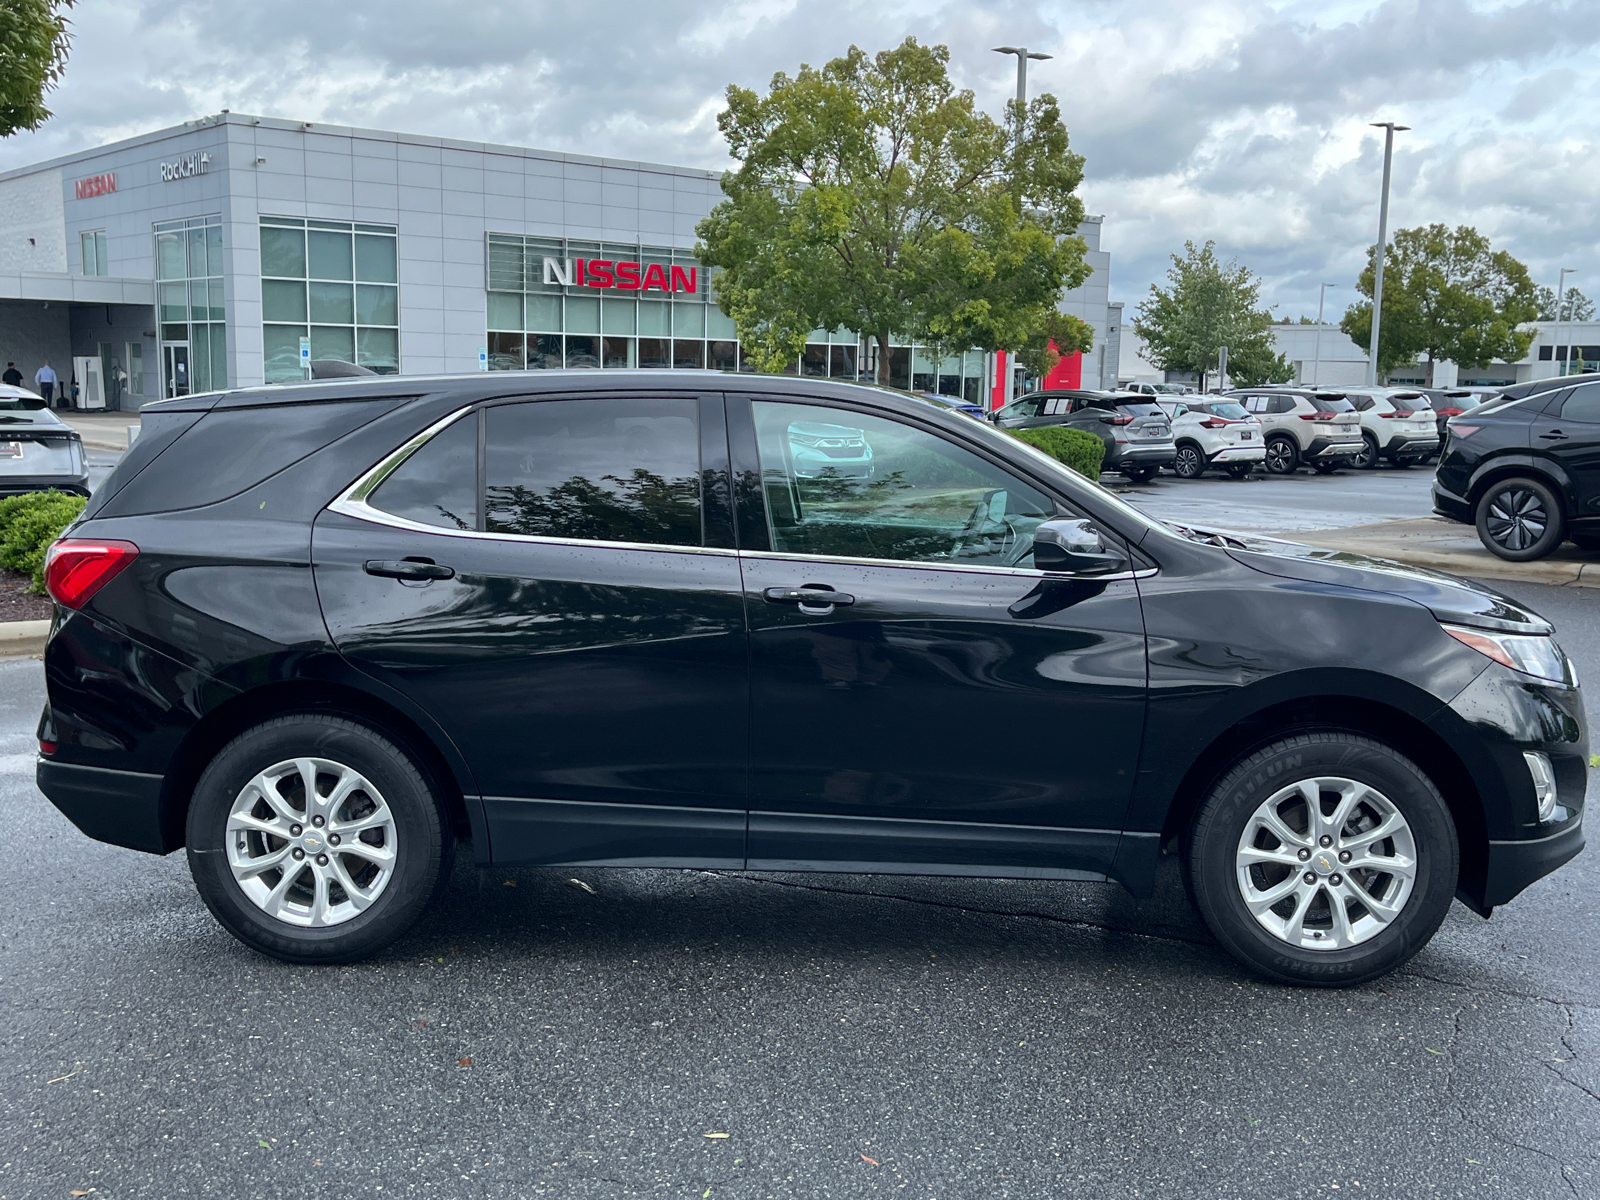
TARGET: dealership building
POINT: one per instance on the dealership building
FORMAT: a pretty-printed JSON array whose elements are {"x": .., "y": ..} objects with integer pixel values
[{"x": 228, "y": 251}]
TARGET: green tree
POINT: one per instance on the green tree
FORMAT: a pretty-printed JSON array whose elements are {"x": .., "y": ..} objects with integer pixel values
[
  {"x": 1575, "y": 306},
  {"x": 33, "y": 53},
  {"x": 873, "y": 196},
  {"x": 1210, "y": 304},
  {"x": 1447, "y": 295},
  {"x": 1058, "y": 334}
]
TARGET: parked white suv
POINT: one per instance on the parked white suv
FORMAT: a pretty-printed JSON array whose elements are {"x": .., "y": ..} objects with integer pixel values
[
  {"x": 1214, "y": 433},
  {"x": 1302, "y": 427},
  {"x": 1396, "y": 423}
]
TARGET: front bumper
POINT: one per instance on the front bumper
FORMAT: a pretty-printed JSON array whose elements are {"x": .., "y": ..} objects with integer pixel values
[{"x": 1512, "y": 866}]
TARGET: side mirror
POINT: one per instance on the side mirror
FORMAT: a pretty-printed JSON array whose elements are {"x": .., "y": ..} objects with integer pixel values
[{"x": 1071, "y": 544}]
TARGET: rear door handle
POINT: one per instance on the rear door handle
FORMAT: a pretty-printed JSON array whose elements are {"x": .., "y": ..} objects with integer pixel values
[
  {"x": 408, "y": 569},
  {"x": 809, "y": 597}
]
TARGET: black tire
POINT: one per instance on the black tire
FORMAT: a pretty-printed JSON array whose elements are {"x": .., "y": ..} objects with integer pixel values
[
  {"x": 1239, "y": 470},
  {"x": 1328, "y": 468},
  {"x": 1191, "y": 461},
  {"x": 1213, "y": 851},
  {"x": 422, "y": 842},
  {"x": 1283, "y": 456},
  {"x": 1139, "y": 474},
  {"x": 1367, "y": 458},
  {"x": 1520, "y": 519}
]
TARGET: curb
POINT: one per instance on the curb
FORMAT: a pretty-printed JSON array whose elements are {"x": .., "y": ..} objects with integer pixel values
[
  {"x": 1417, "y": 544},
  {"x": 22, "y": 637}
]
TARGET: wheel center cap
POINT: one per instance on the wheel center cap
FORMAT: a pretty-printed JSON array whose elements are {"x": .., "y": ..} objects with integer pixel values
[
  {"x": 313, "y": 841},
  {"x": 1325, "y": 862}
]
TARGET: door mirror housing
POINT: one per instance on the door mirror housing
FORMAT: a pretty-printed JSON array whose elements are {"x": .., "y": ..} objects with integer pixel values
[{"x": 1074, "y": 545}]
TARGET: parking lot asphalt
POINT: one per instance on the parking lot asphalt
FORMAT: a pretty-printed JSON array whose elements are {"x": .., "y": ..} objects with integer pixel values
[
  {"x": 1301, "y": 502},
  {"x": 720, "y": 1035}
]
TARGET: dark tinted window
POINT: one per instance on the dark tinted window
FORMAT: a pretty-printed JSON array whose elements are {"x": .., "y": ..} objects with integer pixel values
[
  {"x": 1362, "y": 403},
  {"x": 623, "y": 470},
  {"x": 437, "y": 485},
  {"x": 1226, "y": 409},
  {"x": 21, "y": 404},
  {"x": 1583, "y": 404},
  {"x": 1331, "y": 404},
  {"x": 1141, "y": 410},
  {"x": 1280, "y": 404},
  {"x": 230, "y": 450}
]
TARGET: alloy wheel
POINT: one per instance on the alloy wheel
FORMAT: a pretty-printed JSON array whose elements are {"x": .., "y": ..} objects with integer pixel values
[
  {"x": 1190, "y": 463},
  {"x": 1326, "y": 863},
  {"x": 311, "y": 842},
  {"x": 1517, "y": 518},
  {"x": 1281, "y": 456},
  {"x": 1367, "y": 457}
]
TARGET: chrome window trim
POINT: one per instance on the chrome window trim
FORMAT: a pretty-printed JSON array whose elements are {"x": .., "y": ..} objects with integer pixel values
[{"x": 913, "y": 565}]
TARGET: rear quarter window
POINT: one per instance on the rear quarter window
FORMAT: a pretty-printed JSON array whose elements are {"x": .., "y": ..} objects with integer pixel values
[
  {"x": 1583, "y": 404},
  {"x": 228, "y": 451}
]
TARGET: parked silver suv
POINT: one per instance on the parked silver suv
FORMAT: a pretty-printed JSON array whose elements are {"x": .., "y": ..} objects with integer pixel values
[{"x": 1300, "y": 427}]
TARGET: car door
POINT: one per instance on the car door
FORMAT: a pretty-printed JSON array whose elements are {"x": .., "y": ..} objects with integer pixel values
[
  {"x": 554, "y": 580},
  {"x": 922, "y": 699},
  {"x": 1570, "y": 433}
]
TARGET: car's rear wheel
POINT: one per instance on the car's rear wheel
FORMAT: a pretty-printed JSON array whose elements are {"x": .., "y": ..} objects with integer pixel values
[
  {"x": 1325, "y": 858},
  {"x": 1283, "y": 456},
  {"x": 1139, "y": 474},
  {"x": 1238, "y": 470},
  {"x": 1190, "y": 462},
  {"x": 315, "y": 839},
  {"x": 1366, "y": 458},
  {"x": 1520, "y": 519},
  {"x": 1327, "y": 467}
]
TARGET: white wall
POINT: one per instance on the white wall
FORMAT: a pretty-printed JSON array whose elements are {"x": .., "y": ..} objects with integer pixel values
[{"x": 33, "y": 225}]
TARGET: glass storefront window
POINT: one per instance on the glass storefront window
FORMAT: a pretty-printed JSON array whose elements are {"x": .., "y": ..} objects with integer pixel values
[
  {"x": 190, "y": 306},
  {"x": 335, "y": 282}
]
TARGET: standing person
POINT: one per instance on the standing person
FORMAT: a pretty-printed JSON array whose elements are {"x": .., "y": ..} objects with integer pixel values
[
  {"x": 12, "y": 377},
  {"x": 46, "y": 379}
]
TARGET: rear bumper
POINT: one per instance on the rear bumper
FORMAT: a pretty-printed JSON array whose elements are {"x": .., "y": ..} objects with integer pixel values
[
  {"x": 1447, "y": 504},
  {"x": 120, "y": 807},
  {"x": 1405, "y": 445},
  {"x": 1155, "y": 454},
  {"x": 1232, "y": 454},
  {"x": 17, "y": 485},
  {"x": 1326, "y": 448}
]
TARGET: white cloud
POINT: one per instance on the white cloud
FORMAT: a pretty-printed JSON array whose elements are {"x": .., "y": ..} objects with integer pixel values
[{"x": 1242, "y": 121}]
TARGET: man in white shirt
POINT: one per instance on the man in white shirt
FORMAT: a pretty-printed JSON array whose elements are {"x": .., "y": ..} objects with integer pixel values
[{"x": 46, "y": 379}]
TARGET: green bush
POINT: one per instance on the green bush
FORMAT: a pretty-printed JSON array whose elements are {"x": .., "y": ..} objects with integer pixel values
[
  {"x": 28, "y": 524},
  {"x": 1081, "y": 451}
]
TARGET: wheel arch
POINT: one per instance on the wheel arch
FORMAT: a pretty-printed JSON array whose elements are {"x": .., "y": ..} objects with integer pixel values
[
  {"x": 240, "y": 712},
  {"x": 1522, "y": 466},
  {"x": 1381, "y": 722}
]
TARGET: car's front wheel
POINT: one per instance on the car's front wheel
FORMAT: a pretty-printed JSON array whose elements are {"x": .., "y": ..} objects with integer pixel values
[
  {"x": 1326, "y": 858},
  {"x": 315, "y": 839},
  {"x": 1283, "y": 456},
  {"x": 1190, "y": 462},
  {"x": 1520, "y": 520}
]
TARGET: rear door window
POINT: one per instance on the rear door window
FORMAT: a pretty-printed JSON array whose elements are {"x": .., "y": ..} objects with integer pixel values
[{"x": 623, "y": 469}]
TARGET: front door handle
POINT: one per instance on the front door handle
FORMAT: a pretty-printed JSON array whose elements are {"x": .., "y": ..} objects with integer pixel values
[
  {"x": 809, "y": 597},
  {"x": 408, "y": 570},
  {"x": 1555, "y": 435}
]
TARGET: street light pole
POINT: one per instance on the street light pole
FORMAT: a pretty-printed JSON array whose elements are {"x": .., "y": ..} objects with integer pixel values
[
  {"x": 1390, "y": 129},
  {"x": 1316, "y": 355},
  {"x": 1000, "y": 358},
  {"x": 1023, "y": 55},
  {"x": 1561, "y": 284}
]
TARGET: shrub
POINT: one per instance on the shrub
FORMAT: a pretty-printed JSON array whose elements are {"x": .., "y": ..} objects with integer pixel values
[
  {"x": 28, "y": 524},
  {"x": 1080, "y": 450}
]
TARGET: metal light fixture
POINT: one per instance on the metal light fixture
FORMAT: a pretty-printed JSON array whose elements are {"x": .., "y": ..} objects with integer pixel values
[
  {"x": 1023, "y": 55},
  {"x": 1390, "y": 129}
]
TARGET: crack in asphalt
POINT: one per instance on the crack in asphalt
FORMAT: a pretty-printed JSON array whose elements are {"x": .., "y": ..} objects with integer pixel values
[{"x": 1018, "y": 914}]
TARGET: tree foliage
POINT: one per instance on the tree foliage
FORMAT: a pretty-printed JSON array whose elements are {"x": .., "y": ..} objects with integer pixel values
[
  {"x": 1058, "y": 334},
  {"x": 33, "y": 54},
  {"x": 1210, "y": 304},
  {"x": 873, "y": 196},
  {"x": 1447, "y": 295},
  {"x": 1575, "y": 306}
]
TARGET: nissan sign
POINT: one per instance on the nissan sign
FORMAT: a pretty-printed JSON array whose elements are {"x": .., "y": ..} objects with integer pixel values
[{"x": 619, "y": 274}]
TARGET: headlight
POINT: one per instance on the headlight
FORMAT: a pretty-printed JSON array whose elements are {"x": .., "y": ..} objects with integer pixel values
[{"x": 1532, "y": 655}]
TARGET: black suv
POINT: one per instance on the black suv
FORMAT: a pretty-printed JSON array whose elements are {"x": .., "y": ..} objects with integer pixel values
[
  {"x": 1525, "y": 468},
  {"x": 1136, "y": 430},
  {"x": 320, "y": 635}
]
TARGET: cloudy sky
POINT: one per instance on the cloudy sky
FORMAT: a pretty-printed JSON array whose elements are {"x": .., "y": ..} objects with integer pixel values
[{"x": 1243, "y": 121}]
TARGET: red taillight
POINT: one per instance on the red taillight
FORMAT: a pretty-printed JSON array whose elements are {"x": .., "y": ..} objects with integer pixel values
[
  {"x": 1389, "y": 416},
  {"x": 1452, "y": 412},
  {"x": 1212, "y": 423},
  {"x": 1117, "y": 420},
  {"x": 76, "y": 568},
  {"x": 1317, "y": 416},
  {"x": 46, "y": 747}
]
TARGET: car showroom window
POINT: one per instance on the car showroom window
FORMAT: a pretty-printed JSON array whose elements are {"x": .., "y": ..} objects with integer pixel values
[
  {"x": 615, "y": 470},
  {"x": 1583, "y": 404},
  {"x": 438, "y": 483},
  {"x": 846, "y": 484}
]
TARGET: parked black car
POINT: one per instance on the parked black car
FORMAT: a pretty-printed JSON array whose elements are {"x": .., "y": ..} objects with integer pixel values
[
  {"x": 317, "y": 635},
  {"x": 1136, "y": 430},
  {"x": 1526, "y": 468}
]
